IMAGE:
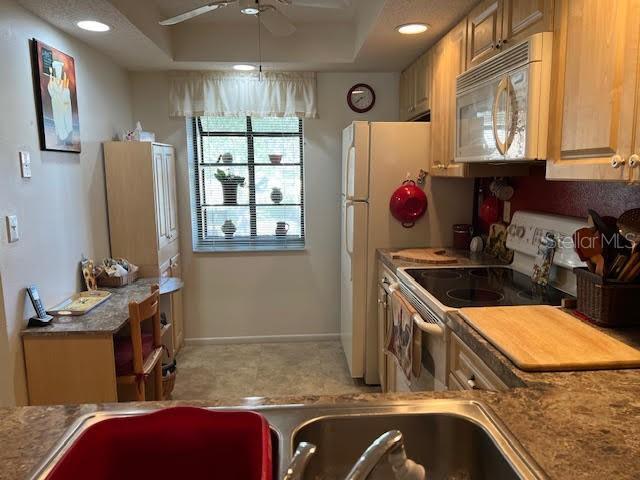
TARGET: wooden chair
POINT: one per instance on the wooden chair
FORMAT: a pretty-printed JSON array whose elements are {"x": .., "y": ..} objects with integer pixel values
[{"x": 148, "y": 309}]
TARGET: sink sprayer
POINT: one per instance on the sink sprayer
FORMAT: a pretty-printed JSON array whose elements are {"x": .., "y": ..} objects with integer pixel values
[{"x": 390, "y": 445}]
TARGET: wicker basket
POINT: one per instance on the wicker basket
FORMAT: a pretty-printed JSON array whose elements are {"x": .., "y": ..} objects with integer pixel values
[
  {"x": 607, "y": 303},
  {"x": 105, "y": 280},
  {"x": 168, "y": 383}
]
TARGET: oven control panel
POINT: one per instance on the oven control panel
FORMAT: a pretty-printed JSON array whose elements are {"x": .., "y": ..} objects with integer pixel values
[{"x": 528, "y": 228}]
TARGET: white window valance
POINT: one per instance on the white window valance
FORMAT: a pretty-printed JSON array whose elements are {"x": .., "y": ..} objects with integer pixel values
[{"x": 231, "y": 94}]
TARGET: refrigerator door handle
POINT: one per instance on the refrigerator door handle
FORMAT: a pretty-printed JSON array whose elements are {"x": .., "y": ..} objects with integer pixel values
[{"x": 348, "y": 204}]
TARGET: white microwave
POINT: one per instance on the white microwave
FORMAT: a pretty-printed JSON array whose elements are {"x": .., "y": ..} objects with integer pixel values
[{"x": 502, "y": 105}]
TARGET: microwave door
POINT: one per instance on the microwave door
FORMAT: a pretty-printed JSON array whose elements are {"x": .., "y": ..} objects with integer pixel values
[
  {"x": 517, "y": 110},
  {"x": 475, "y": 126}
]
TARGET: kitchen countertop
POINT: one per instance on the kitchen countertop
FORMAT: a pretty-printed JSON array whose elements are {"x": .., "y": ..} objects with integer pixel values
[
  {"x": 576, "y": 425},
  {"x": 110, "y": 316}
]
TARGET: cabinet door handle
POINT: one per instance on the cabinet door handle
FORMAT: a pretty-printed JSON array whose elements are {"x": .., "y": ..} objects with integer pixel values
[
  {"x": 471, "y": 381},
  {"x": 617, "y": 161},
  {"x": 634, "y": 161}
]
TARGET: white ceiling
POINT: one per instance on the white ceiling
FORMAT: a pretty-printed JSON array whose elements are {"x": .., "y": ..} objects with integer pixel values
[{"x": 361, "y": 37}]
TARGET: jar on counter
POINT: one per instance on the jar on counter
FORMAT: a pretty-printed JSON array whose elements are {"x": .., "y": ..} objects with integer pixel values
[{"x": 462, "y": 233}]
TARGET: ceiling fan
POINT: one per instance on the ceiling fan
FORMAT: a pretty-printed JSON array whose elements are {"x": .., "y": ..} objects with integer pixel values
[{"x": 269, "y": 14}]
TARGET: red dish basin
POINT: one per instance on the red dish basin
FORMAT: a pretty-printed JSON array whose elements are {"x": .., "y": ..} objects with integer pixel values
[{"x": 189, "y": 443}]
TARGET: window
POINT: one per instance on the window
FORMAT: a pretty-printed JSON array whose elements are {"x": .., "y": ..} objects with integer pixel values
[{"x": 247, "y": 183}]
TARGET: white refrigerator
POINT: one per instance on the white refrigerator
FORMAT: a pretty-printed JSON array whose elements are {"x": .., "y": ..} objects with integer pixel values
[{"x": 376, "y": 158}]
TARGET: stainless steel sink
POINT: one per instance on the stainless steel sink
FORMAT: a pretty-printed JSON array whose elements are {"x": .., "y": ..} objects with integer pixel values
[{"x": 453, "y": 440}]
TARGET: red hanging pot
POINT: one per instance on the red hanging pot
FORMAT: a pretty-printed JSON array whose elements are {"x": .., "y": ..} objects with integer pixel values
[{"x": 408, "y": 203}]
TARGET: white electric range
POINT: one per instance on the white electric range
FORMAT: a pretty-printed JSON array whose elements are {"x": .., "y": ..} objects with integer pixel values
[{"x": 434, "y": 291}]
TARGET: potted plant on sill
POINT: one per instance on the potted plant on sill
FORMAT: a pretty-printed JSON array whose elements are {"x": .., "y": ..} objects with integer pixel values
[{"x": 230, "y": 183}]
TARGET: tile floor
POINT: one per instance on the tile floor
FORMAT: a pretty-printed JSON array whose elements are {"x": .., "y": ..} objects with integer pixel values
[{"x": 269, "y": 369}]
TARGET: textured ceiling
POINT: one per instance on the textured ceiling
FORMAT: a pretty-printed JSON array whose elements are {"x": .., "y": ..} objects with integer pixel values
[{"x": 361, "y": 37}]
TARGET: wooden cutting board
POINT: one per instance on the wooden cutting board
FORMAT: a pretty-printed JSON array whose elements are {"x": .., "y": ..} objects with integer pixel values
[
  {"x": 434, "y": 256},
  {"x": 546, "y": 339}
]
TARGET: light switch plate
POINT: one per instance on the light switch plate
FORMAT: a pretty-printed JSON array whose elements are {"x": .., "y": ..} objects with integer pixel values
[
  {"x": 25, "y": 164},
  {"x": 13, "y": 232}
]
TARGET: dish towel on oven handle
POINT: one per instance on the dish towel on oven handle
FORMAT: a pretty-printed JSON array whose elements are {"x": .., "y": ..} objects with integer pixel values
[{"x": 403, "y": 340}]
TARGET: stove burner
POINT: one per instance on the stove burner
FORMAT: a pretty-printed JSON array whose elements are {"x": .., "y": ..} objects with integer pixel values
[
  {"x": 479, "y": 272},
  {"x": 442, "y": 274},
  {"x": 475, "y": 295},
  {"x": 533, "y": 294}
]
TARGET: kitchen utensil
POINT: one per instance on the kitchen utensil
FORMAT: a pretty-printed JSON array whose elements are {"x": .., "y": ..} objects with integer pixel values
[
  {"x": 617, "y": 265},
  {"x": 462, "y": 236},
  {"x": 489, "y": 211},
  {"x": 408, "y": 203},
  {"x": 545, "y": 338},
  {"x": 629, "y": 227},
  {"x": 424, "y": 255},
  {"x": 603, "y": 226},
  {"x": 588, "y": 245},
  {"x": 629, "y": 267}
]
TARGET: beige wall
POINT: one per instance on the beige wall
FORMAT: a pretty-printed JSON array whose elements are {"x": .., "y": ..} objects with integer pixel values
[
  {"x": 258, "y": 295},
  {"x": 62, "y": 208}
]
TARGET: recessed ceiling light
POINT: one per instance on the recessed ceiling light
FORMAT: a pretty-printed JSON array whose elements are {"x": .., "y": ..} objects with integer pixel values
[
  {"x": 412, "y": 28},
  {"x": 250, "y": 11},
  {"x": 244, "y": 67},
  {"x": 93, "y": 26}
]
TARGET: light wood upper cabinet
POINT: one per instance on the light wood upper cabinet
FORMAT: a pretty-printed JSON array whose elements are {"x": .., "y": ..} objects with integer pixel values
[
  {"x": 415, "y": 88},
  {"x": 596, "y": 89},
  {"x": 448, "y": 60},
  {"x": 484, "y": 31},
  {"x": 423, "y": 84},
  {"x": 160, "y": 190},
  {"x": 495, "y": 25},
  {"x": 172, "y": 195},
  {"x": 142, "y": 203},
  {"x": 523, "y": 18}
]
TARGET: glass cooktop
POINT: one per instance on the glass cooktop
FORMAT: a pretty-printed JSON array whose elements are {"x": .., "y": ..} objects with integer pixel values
[{"x": 480, "y": 287}]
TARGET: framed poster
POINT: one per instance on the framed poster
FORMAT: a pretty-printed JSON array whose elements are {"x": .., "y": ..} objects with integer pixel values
[{"x": 56, "y": 98}]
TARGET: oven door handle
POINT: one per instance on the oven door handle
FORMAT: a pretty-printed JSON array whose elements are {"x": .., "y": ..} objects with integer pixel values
[{"x": 430, "y": 328}]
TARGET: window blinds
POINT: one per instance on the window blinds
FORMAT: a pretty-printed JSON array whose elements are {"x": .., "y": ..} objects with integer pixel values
[{"x": 248, "y": 184}]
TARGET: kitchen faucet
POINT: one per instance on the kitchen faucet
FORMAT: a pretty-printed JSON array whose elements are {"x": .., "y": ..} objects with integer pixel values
[{"x": 390, "y": 445}]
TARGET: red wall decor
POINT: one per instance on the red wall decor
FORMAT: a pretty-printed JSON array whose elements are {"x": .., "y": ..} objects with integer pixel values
[{"x": 573, "y": 198}]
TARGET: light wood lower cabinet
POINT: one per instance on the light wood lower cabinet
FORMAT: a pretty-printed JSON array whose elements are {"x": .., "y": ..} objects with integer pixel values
[
  {"x": 594, "y": 105},
  {"x": 467, "y": 371}
]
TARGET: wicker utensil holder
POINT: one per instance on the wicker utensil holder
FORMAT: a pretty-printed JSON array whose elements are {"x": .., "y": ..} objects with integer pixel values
[{"x": 607, "y": 303}]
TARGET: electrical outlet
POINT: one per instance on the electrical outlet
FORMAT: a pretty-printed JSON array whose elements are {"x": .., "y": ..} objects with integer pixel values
[
  {"x": 25, "y": 164},
  {"x": 13, "y": 232}
]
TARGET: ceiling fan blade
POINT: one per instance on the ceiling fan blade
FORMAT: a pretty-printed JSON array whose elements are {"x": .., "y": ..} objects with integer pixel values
[
  {"x": 192, "y": 13},
  {"x": 321, "y": 3},
  {"x": 274, "y": 21}
]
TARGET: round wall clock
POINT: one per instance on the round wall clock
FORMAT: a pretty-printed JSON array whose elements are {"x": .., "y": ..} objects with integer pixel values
[{"x": 361, "y": 98}]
